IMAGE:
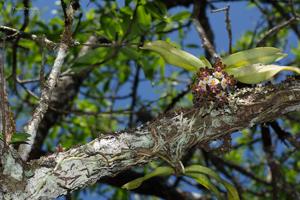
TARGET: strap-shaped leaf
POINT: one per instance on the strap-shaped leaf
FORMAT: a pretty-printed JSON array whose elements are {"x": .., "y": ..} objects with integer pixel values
[
  {"x": 160, "y": 171},
  {"x": 257, "y": 73},
  {"x": 175, "y": 56},
  {"x": 263, "y": 55},
  {"x": 232, "y": 193},
  {"x": 204, "y": 181},
  {"x": 206, "y": 62}
]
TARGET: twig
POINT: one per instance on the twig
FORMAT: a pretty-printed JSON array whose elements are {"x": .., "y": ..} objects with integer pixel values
[
  {"x": 26, "y": 89},
  {"x": 291, "y": 2},
  {"x": 2, "y": 100},
  {"x": 26, "y": 81},
  {"x": 16, "y": 43},
  {"x": 228, "y": 25},
  {"x": 40, "y": 40},
  {"x": 285, "y": 15},
  {"x": 8, "y": 122},
  {"x": 206, "y": 43},
  {"x": 273, "y": 166},
  {"x": 91, "y": 113},
  {"x": 134, "y": 94},
  {"x": 274, "y": 30},
  {"x": 32, "y": 126}
]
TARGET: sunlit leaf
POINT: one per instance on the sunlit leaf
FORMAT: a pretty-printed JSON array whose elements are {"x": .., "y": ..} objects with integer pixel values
[
  {"x": 91, "y": 57},
  {"x": 257, "y": 73},
  {"x": 157, "y": 9},
  {"x": 175, "y": 56},
  {"x": 160, "y": 171},
  {"x": 232, "y": 193},
  {"x": 263, "y": 55},
  {"x": 144, "y": 18},
  {"x": 181, "y": 16},
  {"x": 204, "y": 181},
  {"x": 206, "y": 62}
]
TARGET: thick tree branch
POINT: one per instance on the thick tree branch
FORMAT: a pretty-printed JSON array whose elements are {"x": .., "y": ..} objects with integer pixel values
[{"x": 168, "y": 137}]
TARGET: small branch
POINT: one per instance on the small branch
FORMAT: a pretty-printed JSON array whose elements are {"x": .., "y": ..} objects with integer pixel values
[
  {"x": 228, "y": 25},
  {"x": 134, "y": 94},
  {"x": 42, "y": 107},
  {"x": 39, "y": 40},
  {"x": 2, "y": 100},
  {"x": 273, "y": 166},
  {"x": 32, "y": 126},
  {"x": 176, "y": 99},
  {"x": 238, "y": 168},
  {"x": 205, "y": 41},
  {"x": 274, "y": 30},
  {"x": 7, "y": 119}
]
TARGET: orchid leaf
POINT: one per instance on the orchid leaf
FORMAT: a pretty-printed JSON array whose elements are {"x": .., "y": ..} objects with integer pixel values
[
  {"x": 175, "y": 56},
  {"x": 263, "y": 55},
  {"x": 205, "y": 182},
  {"x": 160, "y": 171},
  {"x": 257, "y": 73},
  {"x": 232, "y": 193},
  {"x": 206, "y": 62}
]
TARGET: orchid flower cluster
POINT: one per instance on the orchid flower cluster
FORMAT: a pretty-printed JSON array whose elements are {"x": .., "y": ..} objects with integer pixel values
[{"x": 212, "y": 85}]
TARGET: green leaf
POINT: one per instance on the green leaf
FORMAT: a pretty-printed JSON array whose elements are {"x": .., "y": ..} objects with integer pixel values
[
  {"x": 204, "y": 181},
  {"x": 160, "y": 171},
  {"x": 232, "y": 193},
  {"x": 181, "y": 16},
  {"x": 131, "y": 52},
  {"x": 257, "y": 73},
  {"x": 175, "y": 56},
  {"x": 157, "y": 9},
  {"x": 144, "y": 18},
  {"x": 19, "y": 137},
  {"x": 263, "y": 55},
  {"x": 206, "y": 62},
  {"x": 91, "y": 57}
]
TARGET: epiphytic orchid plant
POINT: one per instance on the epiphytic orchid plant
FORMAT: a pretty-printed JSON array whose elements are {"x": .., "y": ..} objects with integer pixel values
[
  {"x": 215, "y": 82},
  {"x": 250, "y": 66}
]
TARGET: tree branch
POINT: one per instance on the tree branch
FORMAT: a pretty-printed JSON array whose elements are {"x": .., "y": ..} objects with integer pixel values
[
  {"x": 168, "y": 137},
  {"x": 32, "y": 126}
]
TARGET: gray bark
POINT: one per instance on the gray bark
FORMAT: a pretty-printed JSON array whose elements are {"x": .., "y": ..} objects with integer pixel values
[{"x": 168, "y": 138}]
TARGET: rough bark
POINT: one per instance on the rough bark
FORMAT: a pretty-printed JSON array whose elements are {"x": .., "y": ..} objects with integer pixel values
[{"x": 168, "y": 137}]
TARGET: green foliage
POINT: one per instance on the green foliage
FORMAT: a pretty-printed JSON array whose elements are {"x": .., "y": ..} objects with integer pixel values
[
  {"x": 257, "y": 73},
  {"x": 204, "y": 181},
  {"x": 246, "y": 66},
  {"x": 232, "y": 193},
  {"x": 18, "y": 137},
  {"x": 262, "y": 55},
  {"x": 160, "y": 171},
  {"x": 197, "y": 172},
  {"x": 175, "y": 56},
  {"x": 129, "y": 23}
]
